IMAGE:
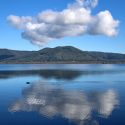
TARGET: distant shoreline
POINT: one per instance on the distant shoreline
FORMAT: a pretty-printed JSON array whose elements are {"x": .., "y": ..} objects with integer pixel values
[{"x": 92, "y": 62}]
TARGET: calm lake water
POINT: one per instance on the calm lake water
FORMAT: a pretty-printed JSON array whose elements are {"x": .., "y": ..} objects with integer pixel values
[{"x": 62, "y": 94}]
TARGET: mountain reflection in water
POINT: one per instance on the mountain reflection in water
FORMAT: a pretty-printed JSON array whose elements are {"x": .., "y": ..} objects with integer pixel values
[
  {"x": 57, "y": 74},
  {"x": 73, "y": 104}
]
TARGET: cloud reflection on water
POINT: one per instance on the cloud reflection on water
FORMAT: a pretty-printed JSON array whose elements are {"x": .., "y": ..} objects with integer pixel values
[{"x": 73, "y": 104}]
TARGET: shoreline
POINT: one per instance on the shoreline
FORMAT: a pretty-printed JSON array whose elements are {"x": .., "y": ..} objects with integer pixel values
[{"x": 92, "y": 62}]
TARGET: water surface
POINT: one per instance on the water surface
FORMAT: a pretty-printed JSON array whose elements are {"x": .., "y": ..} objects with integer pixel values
[{"x": 62, "y": 94}]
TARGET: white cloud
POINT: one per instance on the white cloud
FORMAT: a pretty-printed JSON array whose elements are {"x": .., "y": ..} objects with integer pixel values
[
  {"x": 19, "y": 22},
  {"x": 88, "y": 3},
  {"x": 104, "y": 24},
  {"x": 75, "y": 20}
]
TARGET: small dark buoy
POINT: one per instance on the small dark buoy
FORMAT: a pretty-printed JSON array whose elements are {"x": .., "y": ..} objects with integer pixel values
[{"x": 27, "y": 82}]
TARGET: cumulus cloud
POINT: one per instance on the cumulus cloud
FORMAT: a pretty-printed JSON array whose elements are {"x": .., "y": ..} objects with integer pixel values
[
  {"x": 87, "y": 3},
  {"x": 75, "y": 20},
  {"x": 51, "y": 100}
]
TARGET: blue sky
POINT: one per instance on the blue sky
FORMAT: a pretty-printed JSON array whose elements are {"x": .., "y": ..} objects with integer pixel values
[{"x": 11, "y": 37}]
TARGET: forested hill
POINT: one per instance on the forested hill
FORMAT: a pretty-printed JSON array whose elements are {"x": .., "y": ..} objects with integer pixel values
[{"x": 65, "y": 54}]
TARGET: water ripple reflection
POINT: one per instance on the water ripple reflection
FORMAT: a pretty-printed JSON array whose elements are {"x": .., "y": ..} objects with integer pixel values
[{"x": 73, "y": 104}]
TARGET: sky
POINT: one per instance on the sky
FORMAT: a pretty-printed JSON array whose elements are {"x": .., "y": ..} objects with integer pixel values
[{"x": 98, "y": 25}]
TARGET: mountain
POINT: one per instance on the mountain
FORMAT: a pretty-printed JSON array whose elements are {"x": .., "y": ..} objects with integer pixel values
[{"x": 65, "y": 54}]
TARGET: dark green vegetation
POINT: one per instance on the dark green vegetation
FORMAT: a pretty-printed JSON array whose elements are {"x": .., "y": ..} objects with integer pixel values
[{"x": 66, "y": 54}]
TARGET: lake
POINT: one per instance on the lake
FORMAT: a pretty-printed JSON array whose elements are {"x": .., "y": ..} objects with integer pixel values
[{"x": 62, "y": 94}]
